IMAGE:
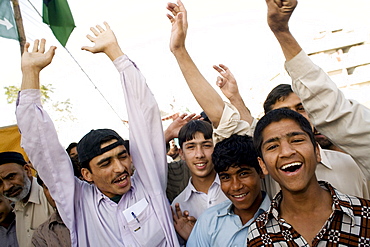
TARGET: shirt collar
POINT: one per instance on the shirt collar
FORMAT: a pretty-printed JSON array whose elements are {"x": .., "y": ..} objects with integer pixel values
[
  {"x": 190, "y": 189},
  {"x": 341, "y": 203},
  {"x": 35, "y": 191},
  {"x": 324, "y": 159}
]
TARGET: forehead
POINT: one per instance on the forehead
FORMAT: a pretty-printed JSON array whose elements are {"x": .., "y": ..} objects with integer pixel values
[
  {"x": 235, "y": 169},
  {"x": 280, "y": 129},
  {"x": 289, "y": 101},
  {"x": 10, "y": 168},
  {"x": 198, "y": 137}
]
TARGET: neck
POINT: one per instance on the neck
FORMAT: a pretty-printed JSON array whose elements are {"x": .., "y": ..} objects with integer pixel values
[
  {"x": 247, "y": 214},
  {"x": 305, "y": 202},
  {"x": 202, "y": 184}
]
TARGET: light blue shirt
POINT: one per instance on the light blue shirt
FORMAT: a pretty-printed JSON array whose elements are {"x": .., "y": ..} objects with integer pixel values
[
  {"x": 92, "y": 218},
  {"x": 219, "y": 226}
]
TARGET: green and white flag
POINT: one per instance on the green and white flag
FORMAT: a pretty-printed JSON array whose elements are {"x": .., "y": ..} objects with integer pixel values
[
  {"x": 58, "y": 16},
  {"x": 8, "y": 29}
]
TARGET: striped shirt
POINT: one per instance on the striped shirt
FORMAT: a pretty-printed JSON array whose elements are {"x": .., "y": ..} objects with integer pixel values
[{"x": 348, "y": 225}]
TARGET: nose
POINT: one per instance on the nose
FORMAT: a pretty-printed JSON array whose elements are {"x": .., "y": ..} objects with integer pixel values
[
  {"x": 236, "y": 184},
  {"x": 286, "y": 149},
  {"x": 199, "y": 152},
  {"x": 118, "y": 167}
]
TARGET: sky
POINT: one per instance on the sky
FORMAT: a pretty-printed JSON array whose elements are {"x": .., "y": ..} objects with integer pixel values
[{"x": 234, "y": 33}]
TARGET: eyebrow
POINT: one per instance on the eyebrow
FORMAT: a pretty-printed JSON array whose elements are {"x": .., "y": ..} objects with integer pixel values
[
  {"x": 108, "y": 158},
  {"x": 290, "y": 134},
  {"x": 192, "y": 143}
]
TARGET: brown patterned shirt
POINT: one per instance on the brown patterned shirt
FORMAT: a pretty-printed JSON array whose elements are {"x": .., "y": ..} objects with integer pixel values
[{"x": 348, "y": 225}]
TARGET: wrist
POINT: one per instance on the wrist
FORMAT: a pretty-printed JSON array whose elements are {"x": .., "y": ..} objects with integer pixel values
[{"x": 113, "y": 51}]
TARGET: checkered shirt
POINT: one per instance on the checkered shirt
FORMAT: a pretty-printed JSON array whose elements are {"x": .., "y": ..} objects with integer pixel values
[{"x": 348, "y": 225}]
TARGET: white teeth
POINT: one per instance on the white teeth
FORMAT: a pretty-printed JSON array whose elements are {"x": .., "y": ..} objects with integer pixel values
[
  {"x": 239, "y": 196},
  {"x": 200, "y": 164},
  {"x": 121, "y": 179},
  {"x": 290, "y": 165}
]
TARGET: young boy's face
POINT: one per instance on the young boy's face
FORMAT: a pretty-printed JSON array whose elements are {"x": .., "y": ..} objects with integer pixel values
[
  {"x": 197, "y": 154},
  {"x": 289, "y": 156},
  {"x": 242, "y": 185}
]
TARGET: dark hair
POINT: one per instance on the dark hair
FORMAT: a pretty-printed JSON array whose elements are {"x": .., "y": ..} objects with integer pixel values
[
  {"x": 279, "y": 93},
  {"x": 70, "y": 146},
  {"x": 188, "y": 131},
  {"x": 205, "y": 117},
  {"x": 235, "y": 151},
  {"x": 276, "y": 116}
]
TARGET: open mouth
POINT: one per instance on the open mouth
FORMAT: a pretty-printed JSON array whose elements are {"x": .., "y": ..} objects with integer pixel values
[
  {"x": 200, "y": 165},
  {"x": 240, "y": 196},
  {"x": 292, "y": 167},
  {"x": 120, "y": 179}
]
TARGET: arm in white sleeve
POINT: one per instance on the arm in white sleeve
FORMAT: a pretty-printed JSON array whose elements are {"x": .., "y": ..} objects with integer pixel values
[{"x": 345, "y": 122}]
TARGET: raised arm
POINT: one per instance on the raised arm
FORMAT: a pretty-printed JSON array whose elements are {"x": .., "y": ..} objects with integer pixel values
[
  {"x": 39, "y": 137},
  {"x": 213, "y": 104},
  {"x": 227, "y": 83},
  {"x": 345, "y": 122},
  {"x": 173, "y": 129},
  {"x": 278, "y": 15}
]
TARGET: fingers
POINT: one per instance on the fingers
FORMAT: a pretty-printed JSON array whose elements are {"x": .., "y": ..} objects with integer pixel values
[
  {"x": 94, "y": 31},
  {"x": 35, "y": 46},
  {"x": 178, "y": 210},
  {"x": 26, "y": 46},
  {"x": 106, "y": 25},
  {"x": 51, "y": 51},
  {"x": 224, "y": 67},
  {"x": 42, "y": 46},
  {"x": 91, "y": 38},
  {"x": 218, "y": 69}
]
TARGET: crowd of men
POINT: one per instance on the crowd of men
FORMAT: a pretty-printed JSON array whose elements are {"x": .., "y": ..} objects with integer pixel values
[{"x": 239, "y": 182}]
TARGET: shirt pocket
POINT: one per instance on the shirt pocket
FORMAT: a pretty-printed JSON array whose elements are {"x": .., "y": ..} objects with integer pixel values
[{"x": 146, "y": 228}]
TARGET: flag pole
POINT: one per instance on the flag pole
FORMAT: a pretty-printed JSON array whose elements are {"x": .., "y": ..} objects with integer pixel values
[{"x": 19, "y": 22}]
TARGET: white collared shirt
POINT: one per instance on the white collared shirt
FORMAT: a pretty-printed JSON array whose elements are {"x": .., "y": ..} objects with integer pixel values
[{"x": 196, "y": 202}]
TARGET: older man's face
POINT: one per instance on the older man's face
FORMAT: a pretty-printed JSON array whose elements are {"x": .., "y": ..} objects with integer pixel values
[{"x": 15, "y": 181}]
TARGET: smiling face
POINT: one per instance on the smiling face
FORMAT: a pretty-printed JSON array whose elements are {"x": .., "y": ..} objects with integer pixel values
[
  {"x": 289, "y": 155},
  {"x": 15, "y": 181},
  {"x": 110, "y": 171},
  {"x": 197, "y": 154},
  {"x": 242, "y": 185}
]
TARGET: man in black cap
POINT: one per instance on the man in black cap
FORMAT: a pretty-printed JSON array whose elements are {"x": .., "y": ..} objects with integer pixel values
[
  {"x": 18, "y": 185},
  {"x": 115, "y": 208}
]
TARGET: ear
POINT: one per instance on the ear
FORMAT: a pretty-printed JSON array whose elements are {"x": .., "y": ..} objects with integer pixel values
[
  {"x": 317, "y": 152},
  {"x": 28, "y": 170},
  {"x": 87, "y": 175},
  {"x": 181, "y": 154},
  {"x": 262, "y": 165}
]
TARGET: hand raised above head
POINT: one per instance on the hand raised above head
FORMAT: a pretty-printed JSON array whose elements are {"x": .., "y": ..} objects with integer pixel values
[
  {"x": 105, "y": 41},
  {"x": 278, "y": 14},
  {"x": 226, "y": 81},
  {"x": 37, "y": 59},
  {"x": 179, "y": 25}
]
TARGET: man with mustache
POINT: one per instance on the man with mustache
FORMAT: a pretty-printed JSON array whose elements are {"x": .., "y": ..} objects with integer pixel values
[
  {"x": 114, "y": 208},
  {"x": 18, "y": 185}
]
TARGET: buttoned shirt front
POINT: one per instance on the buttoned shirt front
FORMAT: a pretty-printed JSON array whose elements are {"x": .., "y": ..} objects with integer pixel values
[
  {"x": 348, "y": 225},
  {"x": 196, "y": 202},
  {"x": 218, "y": 226},
  {"x": 345, "y": 122},
  {"x": 31, "y": 214},
  {"x": 142, "y": 217}
]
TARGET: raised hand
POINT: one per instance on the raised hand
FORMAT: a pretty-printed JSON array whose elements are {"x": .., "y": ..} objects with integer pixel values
[
  {"x": 278, "y": 14},
  {"x": 37, "y": 59},
  {"x": 104, "y": 41},
  {"x": 226, "y": 81},
  {"x": 179, "y": 25},
  {"x": 173, "y": 129},
  {"x": 183, "y": 223}
]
